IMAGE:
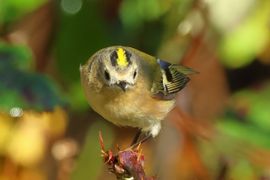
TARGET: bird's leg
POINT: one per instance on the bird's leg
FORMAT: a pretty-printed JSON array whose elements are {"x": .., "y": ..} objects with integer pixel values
[
  {"x": 145, "y": 137},
  {"x": 136, "y": 137},
  {"x": 140, "y": 138}
]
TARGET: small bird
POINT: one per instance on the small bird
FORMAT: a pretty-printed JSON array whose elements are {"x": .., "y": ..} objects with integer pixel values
[{"x": 131, "y": 88}]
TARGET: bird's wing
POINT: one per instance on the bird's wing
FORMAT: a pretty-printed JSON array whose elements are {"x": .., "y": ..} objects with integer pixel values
[{"x": 169, "y": 79}]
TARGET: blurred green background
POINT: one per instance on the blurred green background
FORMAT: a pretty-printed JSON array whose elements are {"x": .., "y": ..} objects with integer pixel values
[{"x": 47, "y": 129}]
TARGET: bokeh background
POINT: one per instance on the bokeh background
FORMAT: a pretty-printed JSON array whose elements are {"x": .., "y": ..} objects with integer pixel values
[{"x": 220, "y": 128}]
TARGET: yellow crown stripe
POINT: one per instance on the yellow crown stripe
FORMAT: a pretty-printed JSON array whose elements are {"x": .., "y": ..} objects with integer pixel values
[{"x": 122, "y": 58}]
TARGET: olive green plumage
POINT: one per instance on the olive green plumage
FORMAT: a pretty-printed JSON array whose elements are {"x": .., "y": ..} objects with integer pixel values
[{"x": 131, "y": 88}]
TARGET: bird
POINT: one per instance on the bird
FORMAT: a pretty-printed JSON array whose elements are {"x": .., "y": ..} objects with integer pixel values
[{"x": 131, "y": 88}]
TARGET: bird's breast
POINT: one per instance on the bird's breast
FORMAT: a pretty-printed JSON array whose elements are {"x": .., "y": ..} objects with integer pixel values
[{"x": 135, "y": 107}]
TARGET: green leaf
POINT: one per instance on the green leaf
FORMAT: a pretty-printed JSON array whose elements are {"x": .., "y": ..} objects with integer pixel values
[
  {"x": 21, "y": 88},
  {"x": 240, "y": 46},
  {"x": 10, "y": 99},
  {"x": 11, "y": 10},
  {"x": 18, "y": 56},
  {"x": 244, "y": 132},
  {"x": 242, "y": 169}
]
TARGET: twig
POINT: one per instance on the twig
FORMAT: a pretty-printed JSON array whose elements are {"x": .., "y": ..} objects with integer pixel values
[{"x": 126, "y": 164}]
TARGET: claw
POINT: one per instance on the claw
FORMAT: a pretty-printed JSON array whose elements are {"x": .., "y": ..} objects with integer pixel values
[
  {"x": 139, "y": 157},
  {"x": 138, "y": 147},
  {"x": 119, "y": 169}
]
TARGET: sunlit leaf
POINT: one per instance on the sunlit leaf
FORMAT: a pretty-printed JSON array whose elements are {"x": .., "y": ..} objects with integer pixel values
[
  {"x": 240, "y": 46},
  {"x": 244, "y": 132},
  {"x": 134, "y": 13},
  {"x": 27, "y": 144},
  {"x": 254, "y": 103},
  {"x": 259, "y": 113},
  {"x": 54, "y": 122},
  {"x": 242, "y": 170}
]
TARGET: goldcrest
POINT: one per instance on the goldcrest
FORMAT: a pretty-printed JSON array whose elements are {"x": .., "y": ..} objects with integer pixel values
[{"x": 131, "y": 88}]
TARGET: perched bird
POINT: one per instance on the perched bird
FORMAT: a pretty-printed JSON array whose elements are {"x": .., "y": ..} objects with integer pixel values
[{"x": 130, "y": 88}]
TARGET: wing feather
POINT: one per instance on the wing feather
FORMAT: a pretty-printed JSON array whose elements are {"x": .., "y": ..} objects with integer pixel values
[{"x": 170, "y": 79}]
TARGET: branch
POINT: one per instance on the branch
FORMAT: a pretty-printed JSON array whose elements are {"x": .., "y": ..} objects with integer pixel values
[{"x": 125, "y": 164}]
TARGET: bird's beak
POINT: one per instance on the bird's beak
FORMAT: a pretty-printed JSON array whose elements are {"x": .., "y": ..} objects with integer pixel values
[{"x": 123, "y": 85}]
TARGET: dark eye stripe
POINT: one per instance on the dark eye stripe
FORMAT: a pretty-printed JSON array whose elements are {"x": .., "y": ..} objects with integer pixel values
[
  {"x": 107, "y": 75},
  {"x": 134, "y": 74},
  {"x": 128, "y": 55},
  {"x": 114, "y": 57}
]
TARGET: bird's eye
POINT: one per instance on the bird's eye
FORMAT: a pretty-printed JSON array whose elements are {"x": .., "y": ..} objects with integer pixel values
[
  {"x": 134, "y": 74},
  {"x": 107, "y": 75}
]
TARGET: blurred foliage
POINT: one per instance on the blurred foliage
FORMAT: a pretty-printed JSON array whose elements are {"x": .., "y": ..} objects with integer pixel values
[
  {"x": 242, "y": 44},
  {"x": 85, "y": 42},
  {"x": 25, "y": 137},
  {"x": 241, "y": 133},
  {"x": 20, "y": 86},
  {"x": 12, "y": 10},
  {"x": 35, "y": 104},
  {"x": 18, "y": 56},
  {"x": 134, "y": 13},
  {"x": 88, "y": 154},
  {"x": 249, "y": 112}
]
